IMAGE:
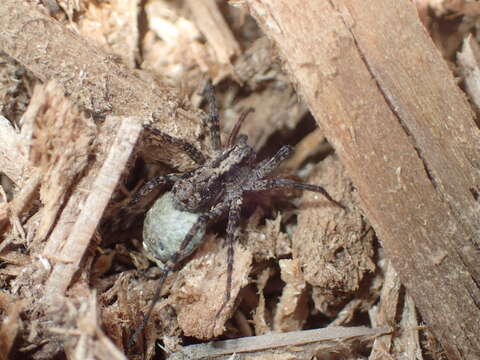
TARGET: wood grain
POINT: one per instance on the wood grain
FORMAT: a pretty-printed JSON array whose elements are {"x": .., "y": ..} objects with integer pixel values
[{"x": 405, "y": 132}]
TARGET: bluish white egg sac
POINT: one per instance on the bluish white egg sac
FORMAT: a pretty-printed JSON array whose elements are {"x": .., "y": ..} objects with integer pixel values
[{"x": 165, "y": 228}]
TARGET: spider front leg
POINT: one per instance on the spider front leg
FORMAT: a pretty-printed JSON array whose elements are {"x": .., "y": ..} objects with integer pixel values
[
  {"x": 213, "y": 116},
  {"x": 267, "y": 166},
  {"x": 233, "y": 135},
  {"x": 277, "y": 183},
  {"x": 152, "y": 184}
]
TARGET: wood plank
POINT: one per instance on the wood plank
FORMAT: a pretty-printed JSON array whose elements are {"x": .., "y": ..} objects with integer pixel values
[{"x": 390, "y": 106}]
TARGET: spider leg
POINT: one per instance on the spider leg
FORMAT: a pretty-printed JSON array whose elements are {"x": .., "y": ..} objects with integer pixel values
[
  {"x": 232, "y": 226},
  {"x": 152, "y": 184},
  {"x": 267, "y": 166},
  {"x": 163, "y": 276},
  {"x": 236, "y": 128},
  {"x": 170, "y": 265},
  {"x": 189, "y": 149},
  {"x": 213, "y": 116},
  {"x": 276, "y": 183}
]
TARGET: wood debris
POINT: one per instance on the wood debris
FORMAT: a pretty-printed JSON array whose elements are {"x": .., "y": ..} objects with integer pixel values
[
  {"x": 397, "y": 146},
  {"x": 299, "y": 345}
]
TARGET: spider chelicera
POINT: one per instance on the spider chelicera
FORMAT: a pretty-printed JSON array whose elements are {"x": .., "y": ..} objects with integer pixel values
[{"x": 174, "y": 227}]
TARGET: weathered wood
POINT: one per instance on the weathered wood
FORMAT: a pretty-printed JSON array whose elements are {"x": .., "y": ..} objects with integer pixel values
[
  {"x": 390, "y": 106},
  {"x": 13, "y": 154},
  {"x": 85, "y": 211},
  {"x": 329, "y": 340},
  {"x": 98, "y": 82},
  {"x": 211, "y": 23}
]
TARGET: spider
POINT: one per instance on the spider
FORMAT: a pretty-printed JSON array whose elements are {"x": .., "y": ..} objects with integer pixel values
[{"x": 175, "y": 225}]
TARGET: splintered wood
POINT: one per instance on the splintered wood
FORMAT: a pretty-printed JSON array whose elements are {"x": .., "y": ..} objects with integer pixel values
[
  {"x": 211, "y": 22},
  {"x": 199, "y": 290},
  {"x": 94, "y": 79},
  {"x": 61, "y": 143},
  {"x": 469, "y": 61},
  {"x": 401, "y": 126},
  {"x": 88, "y": 211},
  {"x": 14, "y": 156},
  {"x": 336, "y": 253},
  {"x": 291, "y": 345},
  {"x": 394, "y": 304},
  {"x": 75, "y": 280}
]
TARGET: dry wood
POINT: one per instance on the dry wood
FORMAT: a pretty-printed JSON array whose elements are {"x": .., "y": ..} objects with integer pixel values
[
  {"x": 396, "y": 310},
  {"x": 255, "y": 62},
  {"x": 277, "y": 106},
  {"x": 20, "y": 203},
  {"x": 211, "y": 23},
  {"x": 199, "y": 284},
  {"x": 334, "y": 246},
  {"x": 86, "y": 215},
  {"x": 93, "y": 79},
  {"x": 11, "y": 323},
  {"x": 292, "y": 309},
  {"x": 334, "y": 340},
  {"x": 114, "y": 26},
  {"x": 13, "y": 153},
  {"x": 409, "y": 338},
  {"x": 390, "y": 106},
  {"x": 59, "y": 136},
  {"x": 386, "y": 313},
  {"x": 87, "y": 340},
  {"x": 469, "y": 59}
]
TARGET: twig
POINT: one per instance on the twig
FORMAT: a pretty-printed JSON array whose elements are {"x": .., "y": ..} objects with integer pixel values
[
  {"x": 386, "y": 312},
  {"x": 279, "y": 340}
]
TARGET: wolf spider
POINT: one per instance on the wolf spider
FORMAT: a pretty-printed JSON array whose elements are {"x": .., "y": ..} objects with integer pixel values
[{"x": 214, "y": 188}]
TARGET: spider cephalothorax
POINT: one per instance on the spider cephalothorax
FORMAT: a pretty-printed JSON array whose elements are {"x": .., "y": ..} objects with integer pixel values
[{"x": 175, "y": 225}]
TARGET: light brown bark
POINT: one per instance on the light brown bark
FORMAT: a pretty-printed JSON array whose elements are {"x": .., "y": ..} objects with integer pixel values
[
  {"x": 390, "y": 106},
  {"x": 98, "y": 82}
]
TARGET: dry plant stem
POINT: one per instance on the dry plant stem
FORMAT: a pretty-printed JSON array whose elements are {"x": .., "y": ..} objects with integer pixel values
[
  {"x": 211, "y": 23},
  {"x": 410, "y": 335},
  {"x": 390, "y": 106},
  {"x": 93, "y": 79},
  {"x": 386, "y": 313},
  {"x": 339, "y": 335},
  {"x": 92, "y": 209}
]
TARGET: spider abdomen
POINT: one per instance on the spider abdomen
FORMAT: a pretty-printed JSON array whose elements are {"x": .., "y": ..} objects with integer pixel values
[{"x": 165, "y": 228}]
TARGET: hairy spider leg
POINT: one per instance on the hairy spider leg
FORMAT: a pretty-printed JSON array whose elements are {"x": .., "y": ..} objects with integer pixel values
[
  {"x": 152, "y": 184},
  {"x": 232, "y": 227},
  {"x": 213, "y": 116},
  {"x": 267, "y": 166},
  {"x": 238, "y": 125},
  {"x": 189, "y": 149},
  {"x": 218, "y": 210},
  {"x": 275, "y": 183}
]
